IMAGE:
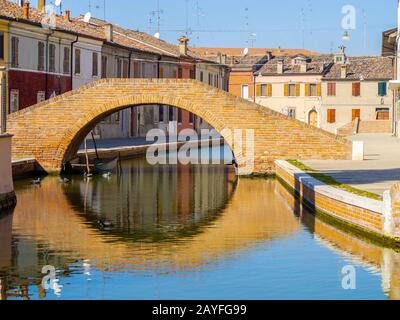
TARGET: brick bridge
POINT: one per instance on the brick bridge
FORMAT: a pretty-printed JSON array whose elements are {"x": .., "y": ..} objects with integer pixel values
[{"x": 52, "y": 131}]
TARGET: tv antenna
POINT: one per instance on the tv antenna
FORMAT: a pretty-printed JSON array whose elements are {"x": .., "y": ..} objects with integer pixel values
[{"x": 157, "y": 15}]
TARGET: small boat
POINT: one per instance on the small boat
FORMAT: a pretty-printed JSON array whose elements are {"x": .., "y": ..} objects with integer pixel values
[{"x": 105, "y": 165}]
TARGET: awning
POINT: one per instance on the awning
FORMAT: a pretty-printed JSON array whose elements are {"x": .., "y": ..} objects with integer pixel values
[{"x": 394, "y": 84}]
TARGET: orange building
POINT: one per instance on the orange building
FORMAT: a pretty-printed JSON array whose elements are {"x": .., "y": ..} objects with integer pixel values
[{"x": 244, "y": 66}]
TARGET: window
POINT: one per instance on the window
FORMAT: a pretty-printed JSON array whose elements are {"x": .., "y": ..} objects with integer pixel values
[
  {"x": 292, "y": 90},
  {"x": 382, "y": 89},
  {"x": 143, "y": 70},
  {"x": 119, "y": 68},
  {"x": 104, "y": 66},
  {"x": 179, "y": 115},
  {"x": 67, "y": 55},
  {"x": 155, "y": 74},
  {"x": 174, "y": 73},
  {"x": 201, "y": 76},
  {"x": 171, "y": 114},
  {"x": 192, "y": 74},
  {"x": 14, "y": 52},
  {"x": 356, "y": 89},
  {"x": 40, "y": 56},
  {"x": 313, "y": 90},
  {"x": 52, "y": 58},
  {"x": 331, "y": 116},
  {"x": 210, "y": 79},
  {"x": 291, "y": 113},
  {"x": 245, "y": 91},
  {"x": 161, "y": 75},
  {"x": 160, "y": 114},
  {"x": 191, "y": 118},
  {"x": 136, "y": 69},
  {"x": 355, "y": 114},
  {"x": 77, "y": 61},
  {"x": 332, "y": 89},
  {"x": 382, "y": 114},
  {"x": 180, "y": 73},
  {"x": 95, "y": 64},
  {"x": 125, "y": 69},
  {"x": 264, "y": 90},
  {"x": 41, "y": 96},
  {"x": 14, "y": 101},
  {"x": 1, "y": 46}
]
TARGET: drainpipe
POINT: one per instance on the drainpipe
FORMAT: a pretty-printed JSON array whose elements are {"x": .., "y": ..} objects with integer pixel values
[
  {"x": 72, "y": 60},
  {"x": 158, "y": 66},
  {"x": 3, "y": 103},
  {"x": 254, "y": 88},
  {"x": 130, "y": 64}
]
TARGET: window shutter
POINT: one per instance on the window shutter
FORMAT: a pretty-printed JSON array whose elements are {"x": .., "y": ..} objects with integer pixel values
[
  {"x": 258, "y": 90},
  {"x": 286, "y": 90},
  {"x": 318, "y": 89},
  {"x": 161, "y": 75},
  {"x": 297, "y": 89},
  {"x": 382, "y": 89},
  {"x": 307, "y": 89},
  {"x": 270, "y": 90}
]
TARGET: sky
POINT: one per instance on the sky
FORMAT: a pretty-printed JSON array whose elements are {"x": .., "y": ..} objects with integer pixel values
[{"x": 311, "y": 24}]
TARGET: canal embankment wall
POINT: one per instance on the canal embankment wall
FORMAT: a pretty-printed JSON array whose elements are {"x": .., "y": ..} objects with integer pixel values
[
  {"x": 375, "y": 219},
  {"x": 23, "y": 168},
  {"x": 7, "y": 194},
  {"x": 128, "y": 152}
]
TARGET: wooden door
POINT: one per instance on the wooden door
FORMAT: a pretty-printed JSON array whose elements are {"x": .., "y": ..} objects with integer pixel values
[
  {"x": 355, "y": 113},
  {"x": 313, "y": 118}
]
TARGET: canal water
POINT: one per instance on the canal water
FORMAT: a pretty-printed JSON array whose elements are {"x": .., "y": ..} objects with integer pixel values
[{"x": 181, "y": 232}]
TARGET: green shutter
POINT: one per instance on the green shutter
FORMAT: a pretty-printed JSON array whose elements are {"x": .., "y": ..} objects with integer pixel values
[{"x": 382, "y": 89}]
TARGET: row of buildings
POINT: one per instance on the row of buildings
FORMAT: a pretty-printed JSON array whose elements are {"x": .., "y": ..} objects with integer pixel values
[
  {"x": 43, "y": 55},
  {"x": 334, "y": 92}
]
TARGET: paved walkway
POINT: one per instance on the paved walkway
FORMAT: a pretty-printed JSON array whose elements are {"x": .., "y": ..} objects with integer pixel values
[{"x": 377, "y": 173}]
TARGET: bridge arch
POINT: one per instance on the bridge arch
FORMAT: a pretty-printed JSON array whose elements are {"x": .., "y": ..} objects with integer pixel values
[
  {"x": 53, "y": 130},
  {"x": 73, "y": 138}
]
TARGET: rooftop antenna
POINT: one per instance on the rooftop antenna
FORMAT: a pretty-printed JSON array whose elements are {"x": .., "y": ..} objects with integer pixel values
[
  {"x": 187, "y": 28},
  {"x": 157, "y": 14},
  {"x": 246, "y": 17},
  {"x": 365, "y": 28},
  {"x": 58, "y": 3},
  {"x": 199, "y": 14}
]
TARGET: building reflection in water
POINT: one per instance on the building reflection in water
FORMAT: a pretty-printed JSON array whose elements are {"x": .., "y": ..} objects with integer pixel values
[{"x": 165, "y": 219}]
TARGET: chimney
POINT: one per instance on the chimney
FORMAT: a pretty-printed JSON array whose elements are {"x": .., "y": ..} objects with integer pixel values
[
  {"x": 280, "y": 66},
  {"x": 269, "y": 55},
  {"x": 41, "y": 5},
  {"x": 183, "y": 45},
  {"x": 340, "y": 57},
  {"x": 109, "y": 32},
  {"x": 224, "y": 59},
  {"x": 26, "y": 10},
  {"x": 67, "y": 16},
  {"x": 303, "y": 67},
  {"x": 343, "y": 71}
]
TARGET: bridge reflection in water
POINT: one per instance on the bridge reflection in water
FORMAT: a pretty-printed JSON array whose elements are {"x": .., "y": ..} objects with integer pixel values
[{"x": 164, "y": 220}]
